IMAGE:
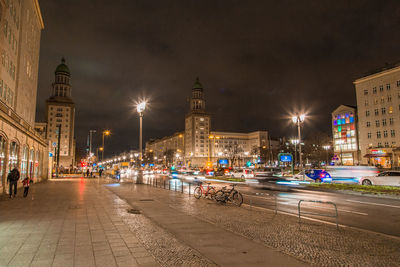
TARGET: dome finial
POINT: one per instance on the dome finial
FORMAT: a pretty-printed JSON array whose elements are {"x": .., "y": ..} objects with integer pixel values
[
  {"x": 63, "y": 60},
  {"x": 197, "y": 84}
]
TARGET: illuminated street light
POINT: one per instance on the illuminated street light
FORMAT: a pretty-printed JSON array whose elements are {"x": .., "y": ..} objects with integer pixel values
[
  {"x": 141, "y": 106},
  {"x": 105, "y": 133},
  {"x": 299, "y": 119},
  {"x": 326, "y": 147}
]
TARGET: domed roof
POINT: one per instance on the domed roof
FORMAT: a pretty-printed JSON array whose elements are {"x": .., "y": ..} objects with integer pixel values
[
  {"x": 197, "y": 84},
  {"x": 62, "y": 67}
]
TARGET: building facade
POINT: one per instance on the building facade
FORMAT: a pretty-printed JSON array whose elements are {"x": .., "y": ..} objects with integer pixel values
[
  {"x": 60, "y": 118},
  {"x": 197, "y": 129},
  {"x": 20, "y": 145},
  {"x": 167, "y": 150},
  {"x": 345, "y": 135},
  {"x": 378, "y": 102}
]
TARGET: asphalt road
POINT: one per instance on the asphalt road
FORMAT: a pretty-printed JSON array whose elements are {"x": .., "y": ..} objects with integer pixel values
[{"x": 375, "y": 214}]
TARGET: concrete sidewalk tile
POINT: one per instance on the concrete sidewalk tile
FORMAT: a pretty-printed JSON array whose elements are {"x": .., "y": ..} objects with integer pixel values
[
  {"x": 105, "y": 260},
  {"x": 42, "y": 263},
  {"x": 145, "y": 261}
]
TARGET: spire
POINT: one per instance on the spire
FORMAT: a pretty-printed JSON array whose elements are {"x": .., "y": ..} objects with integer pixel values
[
  {"x": 63, "y": 60},
  {"x": 197, "y": 84}
]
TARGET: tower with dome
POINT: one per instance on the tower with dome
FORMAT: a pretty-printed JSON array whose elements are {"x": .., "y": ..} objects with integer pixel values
[{"x": 60, "y": 117}]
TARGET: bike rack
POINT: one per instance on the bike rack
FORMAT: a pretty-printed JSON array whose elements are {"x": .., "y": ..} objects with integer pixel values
[{"x": 318, "y": 214}]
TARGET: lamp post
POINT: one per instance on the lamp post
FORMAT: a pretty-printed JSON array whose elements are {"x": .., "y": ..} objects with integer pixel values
[
  {"x": 327, "y": 147},
  {"x": 299, "y": 119},
  {"x": 105, "y": 133},
  {"x": 140, "y": 109},
  {"x": 295, "y": 142}
]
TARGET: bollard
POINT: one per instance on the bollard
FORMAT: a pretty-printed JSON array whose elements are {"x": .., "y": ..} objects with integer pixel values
[
  {"x": 189, "y": 188},
  {"x": 182, "y": 187},
  {"x": 175, "y": 185}
]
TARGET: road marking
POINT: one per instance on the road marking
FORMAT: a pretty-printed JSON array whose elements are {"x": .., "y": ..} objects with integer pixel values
[
  {"x": 290, "y": 202},
  {"x": 371, "y": 203}
]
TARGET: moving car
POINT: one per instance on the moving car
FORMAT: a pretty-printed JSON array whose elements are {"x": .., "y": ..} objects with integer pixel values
[
  {"x": 391, "y": 178},
  {"x": 268, "y": 172},
  {"x": 242, "y": 173}
]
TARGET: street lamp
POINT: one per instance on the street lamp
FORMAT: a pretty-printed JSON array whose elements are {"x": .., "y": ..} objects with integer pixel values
[
  {"x": 105, "y": 133},
  {"x": 299, "y": 119},
  {"x": 326, "y": 147},
  {"x": 295, "y": 142},
  {"x": 141, "y": 106}
]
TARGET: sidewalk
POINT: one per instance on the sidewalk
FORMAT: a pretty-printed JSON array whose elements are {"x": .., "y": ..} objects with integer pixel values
[
  {"x": 68, "y": 223},
  {"x": 78, "y": 222}
]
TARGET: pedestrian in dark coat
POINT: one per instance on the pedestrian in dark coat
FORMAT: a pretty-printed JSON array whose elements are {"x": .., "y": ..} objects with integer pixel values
[{"x": 12, "y": 179}]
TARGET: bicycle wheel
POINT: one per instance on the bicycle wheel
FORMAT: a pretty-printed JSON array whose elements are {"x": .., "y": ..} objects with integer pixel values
[
  {"x": 197, "y": 192},
  {"x": 211, "y": 193},
  {"x": 237, "y": 199},
  {"x": 220, "y": 196}
]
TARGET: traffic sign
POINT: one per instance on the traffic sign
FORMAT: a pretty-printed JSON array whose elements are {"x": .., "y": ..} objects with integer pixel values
[{"x": 54, "y": 144}]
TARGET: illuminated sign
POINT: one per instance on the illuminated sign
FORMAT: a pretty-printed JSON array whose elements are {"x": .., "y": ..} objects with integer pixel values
[
  {"x": 285, "y": 158},
  {"x": 223, "y": 161}
]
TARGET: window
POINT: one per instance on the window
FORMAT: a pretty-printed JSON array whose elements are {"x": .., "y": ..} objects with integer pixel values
[
  {"x": 378, "y": 134},
  {"x": 391, "y": 121},
  {"x": 366, "y": 92},
  {"x": 369, "y": 135},
  {"x": 377, "y": 123},
  {"x": 368, "y": 124},
  {"x": 398, "y": 83},
  {"x": 376, "y": 112},
  {"x": 392, "y": 133},
  {"x": 384, "y": 122},
  {"x": 388, "y": 86},
  {"x": 379, "y": 144},
  {"x": 374, "y": 90},
  {"x": 386, "y": 144},
  {"x": 375, "y": 101},
  {"x": 385, "y": 133},
  {"x": 380, "y": 88},
  {"x": 382, "y": 100},
  {"x": 383, "y": 110},
  {"x": 366, "y": 103},
  {"x": 389, "y": 98},
  {"x": 390, "y": 111},
  {"x": 367, "y": 112}
]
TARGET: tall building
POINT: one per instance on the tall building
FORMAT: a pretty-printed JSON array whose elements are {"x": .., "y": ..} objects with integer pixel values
[
  {"x": 197, "y": 128},
  {"x": 345, "y": 135},
  {"x": 60, "y": 117},
  {"x": 378, "y": 102},
  {"x": 198, "y": 146},
  {"x": 21, "y": 146}
]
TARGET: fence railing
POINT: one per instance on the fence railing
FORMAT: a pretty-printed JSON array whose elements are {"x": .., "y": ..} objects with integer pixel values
[{"x": 316, "y": 213}]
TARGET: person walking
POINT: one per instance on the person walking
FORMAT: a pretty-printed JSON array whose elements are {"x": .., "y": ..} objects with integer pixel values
[
  {"x": 100, "y": 172},
  {"x": 12, "y": 179},
  {"x": 26, "y": 182},
  {"x": 87, "y": 172}
]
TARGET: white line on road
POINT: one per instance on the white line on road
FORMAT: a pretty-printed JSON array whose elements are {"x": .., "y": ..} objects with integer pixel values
[{"x": 371, "y": 203}]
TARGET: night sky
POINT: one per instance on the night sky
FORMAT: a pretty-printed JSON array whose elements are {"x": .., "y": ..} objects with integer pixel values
[{"x": 258, "y": 61}]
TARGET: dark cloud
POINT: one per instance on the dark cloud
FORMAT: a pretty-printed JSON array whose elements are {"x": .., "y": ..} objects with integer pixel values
[{"x": 258, "y": 60}]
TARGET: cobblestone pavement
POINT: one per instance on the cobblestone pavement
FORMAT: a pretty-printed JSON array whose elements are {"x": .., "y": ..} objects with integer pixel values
[
  {"x": 312, "y": 242},
  {"x": 80, "y": 223}
]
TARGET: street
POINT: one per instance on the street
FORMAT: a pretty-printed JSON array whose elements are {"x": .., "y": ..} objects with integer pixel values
[{"x": 375, "y": 214}]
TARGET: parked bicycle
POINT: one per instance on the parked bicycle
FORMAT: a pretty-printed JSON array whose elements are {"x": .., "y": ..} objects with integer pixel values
[
  {"x": 229, "y": 195},
  {"x": 208, "y": 192}
]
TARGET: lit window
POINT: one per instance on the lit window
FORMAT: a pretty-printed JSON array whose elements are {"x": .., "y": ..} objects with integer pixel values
[
  {"x": 369, "y": 135},
  {"x": 390, "y": 111},
  {"x": 388, "y": 86},
  {"x": 378, "y": 134}
]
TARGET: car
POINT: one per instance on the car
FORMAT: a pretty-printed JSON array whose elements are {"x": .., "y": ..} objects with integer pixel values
[
  {"x": 391, "y": 178},
  {"x": 268, "y": 172},
  {"x": 242, "y": 173},
  {"x": 318, "y": 175}
]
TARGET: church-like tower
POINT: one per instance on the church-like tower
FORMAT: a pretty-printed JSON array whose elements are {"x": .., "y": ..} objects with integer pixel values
[
  {"x": 61, "y": 115},
  {"x": 197, "y": 129}
]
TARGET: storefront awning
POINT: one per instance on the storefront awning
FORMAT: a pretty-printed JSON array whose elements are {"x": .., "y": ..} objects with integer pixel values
[{"x": 383, "y": 155}]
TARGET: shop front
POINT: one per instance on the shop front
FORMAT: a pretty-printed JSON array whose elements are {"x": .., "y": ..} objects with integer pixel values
[{"x": 381, "y": 158}]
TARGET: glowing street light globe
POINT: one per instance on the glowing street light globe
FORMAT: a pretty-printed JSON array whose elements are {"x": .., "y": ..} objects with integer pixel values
[{"x": 141, "y": 107}]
